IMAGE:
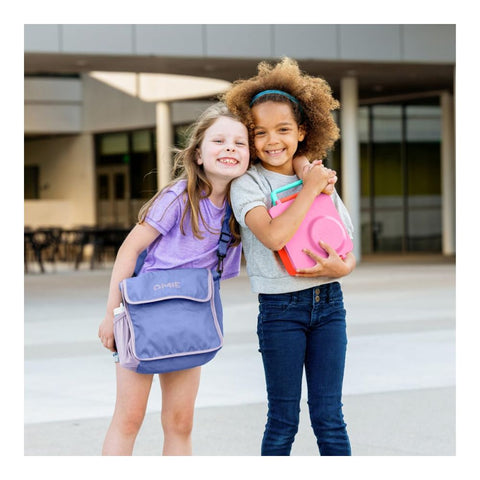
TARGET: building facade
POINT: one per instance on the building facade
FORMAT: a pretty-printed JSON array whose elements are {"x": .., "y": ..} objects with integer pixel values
[{"x": 94, "y": 153}]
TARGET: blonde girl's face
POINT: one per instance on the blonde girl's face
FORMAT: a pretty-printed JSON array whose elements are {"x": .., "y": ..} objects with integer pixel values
[
  {"x": 276, "y": 136},
  {"x": 224, "y": 151}
]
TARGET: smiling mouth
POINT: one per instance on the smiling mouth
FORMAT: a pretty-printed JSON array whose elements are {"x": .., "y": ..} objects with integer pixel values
[
  {"x": 228, "y": 161},
  {"x": 275, "y": 152}
]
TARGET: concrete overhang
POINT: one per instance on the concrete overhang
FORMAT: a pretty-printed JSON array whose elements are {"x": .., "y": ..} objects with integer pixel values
[{"x": 160, "y": 87}]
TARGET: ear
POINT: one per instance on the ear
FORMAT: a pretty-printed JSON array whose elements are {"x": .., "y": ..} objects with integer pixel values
[
  {"x": 301, "y": 133},
  {"x": 198, "y": 157}
]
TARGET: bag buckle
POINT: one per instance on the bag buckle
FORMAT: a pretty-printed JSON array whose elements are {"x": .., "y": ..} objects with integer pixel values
[{"x": 220, "y": 263}]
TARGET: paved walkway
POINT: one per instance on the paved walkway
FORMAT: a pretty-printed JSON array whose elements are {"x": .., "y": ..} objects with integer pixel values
[{"x": 399, "y": 389}]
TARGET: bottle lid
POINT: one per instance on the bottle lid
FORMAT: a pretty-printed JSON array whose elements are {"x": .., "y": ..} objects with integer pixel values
[{"x": 119, "y": 309}]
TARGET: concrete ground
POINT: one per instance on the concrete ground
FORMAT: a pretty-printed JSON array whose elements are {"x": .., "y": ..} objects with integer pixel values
[{"x": 399, "y": 389}]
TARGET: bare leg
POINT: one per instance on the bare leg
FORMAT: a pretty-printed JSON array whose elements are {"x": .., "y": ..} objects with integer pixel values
[
  {"x": 133, "y": 390},
  {"x": 179, "y": 391}
]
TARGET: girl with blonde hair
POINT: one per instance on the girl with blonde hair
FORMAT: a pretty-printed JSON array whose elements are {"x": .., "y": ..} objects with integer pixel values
[{"x": 180, "y": 228}]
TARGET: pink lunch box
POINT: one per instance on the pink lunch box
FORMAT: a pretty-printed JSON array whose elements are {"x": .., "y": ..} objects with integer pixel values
[{"x": 322, "y": 222}]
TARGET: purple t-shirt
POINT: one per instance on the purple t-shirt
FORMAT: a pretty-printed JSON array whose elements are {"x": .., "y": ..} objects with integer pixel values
[{"x": 172, "y": 249}]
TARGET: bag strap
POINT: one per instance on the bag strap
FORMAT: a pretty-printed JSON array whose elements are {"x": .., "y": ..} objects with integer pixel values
[
  {"x": 139, "y": 263},
  {"x": 225, "y": 239}
]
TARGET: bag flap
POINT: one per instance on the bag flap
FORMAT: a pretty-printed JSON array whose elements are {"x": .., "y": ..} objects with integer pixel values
[{"x": 194, "y": 284}]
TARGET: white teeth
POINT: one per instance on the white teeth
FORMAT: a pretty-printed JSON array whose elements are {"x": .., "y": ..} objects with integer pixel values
[
  {"x": 231, "y": 161},
  {"x": 273, "y": 152}
]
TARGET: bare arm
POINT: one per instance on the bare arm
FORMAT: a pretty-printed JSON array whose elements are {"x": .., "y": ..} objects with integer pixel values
[
  {"x": 302, "y": 165},
  {"x": 138, "y": 239},
  {"x": 274, "y": 233},
  {"x": 332, "y": 266}
]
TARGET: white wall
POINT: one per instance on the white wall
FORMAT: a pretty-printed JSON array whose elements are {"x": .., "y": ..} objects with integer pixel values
[
  {"x": 108, "y": 109},
  {"x": 67, "y": 181}
]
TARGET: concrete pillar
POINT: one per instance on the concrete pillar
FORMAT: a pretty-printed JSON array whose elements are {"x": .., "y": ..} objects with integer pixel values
[
  {"x": 164, "y": 136},
  {"x": 350, "y": 176},
  {"x": 448, "y": 174}
]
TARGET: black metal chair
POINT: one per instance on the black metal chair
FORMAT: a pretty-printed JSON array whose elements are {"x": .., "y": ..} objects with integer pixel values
[
  {"x": 42, "y": 241},
  {"x": 106, "y": 242}
]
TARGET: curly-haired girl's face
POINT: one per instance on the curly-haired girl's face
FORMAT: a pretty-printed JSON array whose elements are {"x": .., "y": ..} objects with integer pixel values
[{"x": 276, "y": 136}]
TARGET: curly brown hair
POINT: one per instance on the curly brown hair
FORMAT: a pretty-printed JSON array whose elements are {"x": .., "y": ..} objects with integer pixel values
[{"x": 313, "y": 93}]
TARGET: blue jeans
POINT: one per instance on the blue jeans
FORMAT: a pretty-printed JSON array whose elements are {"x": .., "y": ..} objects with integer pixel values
[{"x": 297, "y": 329}]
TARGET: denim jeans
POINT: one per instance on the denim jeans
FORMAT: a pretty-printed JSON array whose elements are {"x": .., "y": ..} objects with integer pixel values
[{"x": 297, "y": 329}]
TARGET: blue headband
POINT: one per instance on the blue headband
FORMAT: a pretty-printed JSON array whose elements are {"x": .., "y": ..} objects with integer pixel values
[{"x": 278, "y": 92}]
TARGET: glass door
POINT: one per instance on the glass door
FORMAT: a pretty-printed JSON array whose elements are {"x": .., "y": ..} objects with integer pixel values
[
  {"x": 400, "y": 177},
  {"x": 386, "y": 179},
  {"x": 113, "y": 196},
  {"x": 423, "y": 140}
]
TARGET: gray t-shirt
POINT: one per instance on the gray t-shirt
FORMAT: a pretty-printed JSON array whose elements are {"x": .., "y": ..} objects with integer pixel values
[{"x": 264, "y": 267}]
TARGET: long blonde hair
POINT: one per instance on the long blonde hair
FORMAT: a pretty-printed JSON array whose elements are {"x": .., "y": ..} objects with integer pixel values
[{"x": 198, "y": 185}]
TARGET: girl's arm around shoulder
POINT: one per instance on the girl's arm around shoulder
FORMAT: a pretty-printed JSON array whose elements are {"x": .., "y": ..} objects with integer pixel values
[
  {"x": 139, "y": 238},
  {"x": 301, "y": 166}
]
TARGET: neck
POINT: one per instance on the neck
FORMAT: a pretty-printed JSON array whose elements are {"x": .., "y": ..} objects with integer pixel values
[
  {"x": 286, "y": 169},
  {"x": 219, "y": 192}
]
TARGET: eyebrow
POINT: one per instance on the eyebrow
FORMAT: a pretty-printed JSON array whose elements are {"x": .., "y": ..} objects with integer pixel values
[
  {"x": 280, "y": 124},
  {"x": 223, "y": 135}
]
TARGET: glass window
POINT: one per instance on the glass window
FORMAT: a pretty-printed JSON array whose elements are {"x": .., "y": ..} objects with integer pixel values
[
  {"x": 31, "y": 182},
  {"x": 364, "y": 139},
  {"x": 424, "y": 123},
  {"x": 424, "y": 177},
  {"x": 363, "y": 128},
  {"x": 387, "y": 123},
  {"x": 136, "y": 149},
  {"x": 114, "y": 144},
  {"x": 400, "y": 177},
  {"x": 103, "y": 187},
  {"x": 142, "y": 141},
  {"x": 387, "y": 228},
  {"x": 143, "y": 175},
  {"x": 119, "y": 183}
]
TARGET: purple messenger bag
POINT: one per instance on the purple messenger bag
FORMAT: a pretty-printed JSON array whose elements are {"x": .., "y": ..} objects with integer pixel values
[{"x": 170, "y": 320}]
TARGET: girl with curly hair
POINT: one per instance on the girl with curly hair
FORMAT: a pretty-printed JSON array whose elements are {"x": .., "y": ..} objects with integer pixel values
[{"x": 301, "y": 321}]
